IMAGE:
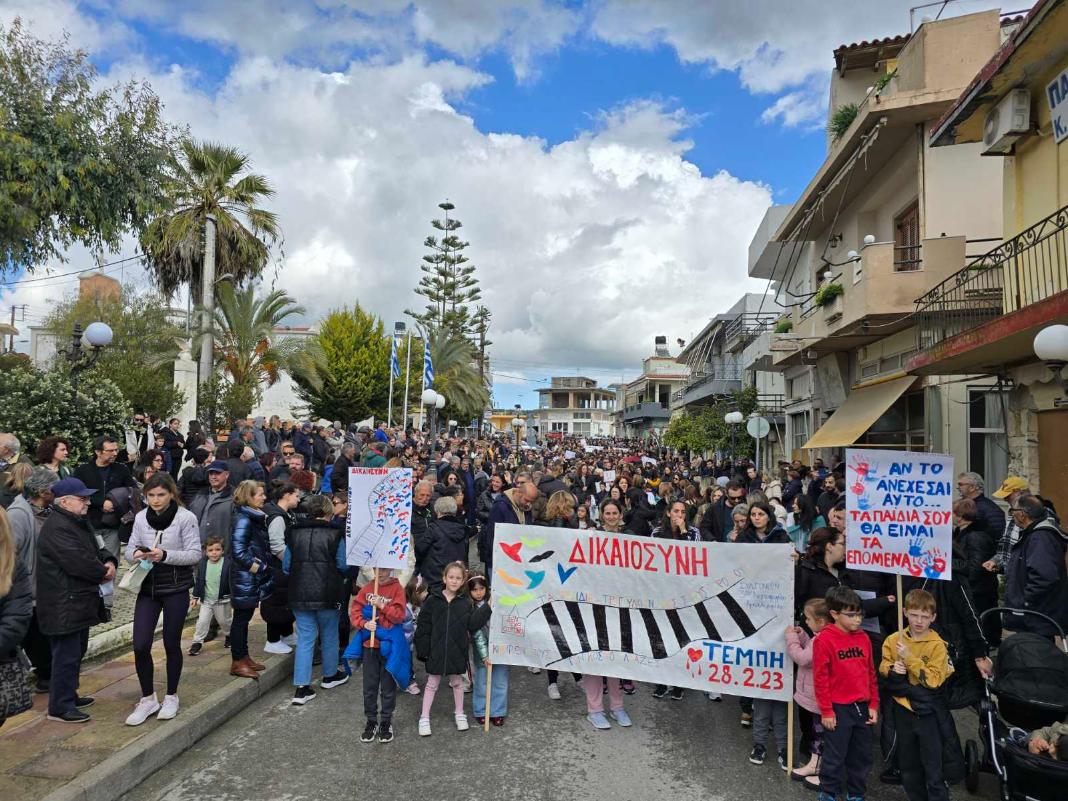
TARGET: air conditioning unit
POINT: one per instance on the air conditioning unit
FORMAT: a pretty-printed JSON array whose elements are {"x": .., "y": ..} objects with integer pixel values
[{"x": 1008, "y": 121}]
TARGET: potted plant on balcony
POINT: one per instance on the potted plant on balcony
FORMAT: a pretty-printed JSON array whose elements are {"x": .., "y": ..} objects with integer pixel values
[
  {"x": 829, "y": 298},
  {"x": 784, "y": 326}
]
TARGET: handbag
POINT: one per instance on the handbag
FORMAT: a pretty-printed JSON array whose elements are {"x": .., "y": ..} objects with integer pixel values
[
  {"x": 15, "y": 695},
  {"x": 136, "y": 573}
]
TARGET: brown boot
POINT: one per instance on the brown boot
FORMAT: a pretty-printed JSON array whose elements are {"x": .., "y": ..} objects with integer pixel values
[
  {"x": 254, "y": 665},
  {"x": 239, "y": 668}
]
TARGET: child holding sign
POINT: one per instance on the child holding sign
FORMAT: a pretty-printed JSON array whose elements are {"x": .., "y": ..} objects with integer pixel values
[
  {"x": 478, "y": 589},
  {"x": 843, "y": 675},
  {"x": 385, "y": 598}
]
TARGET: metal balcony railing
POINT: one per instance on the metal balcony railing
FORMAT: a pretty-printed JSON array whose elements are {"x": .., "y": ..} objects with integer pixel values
[
  {"x": 1029, "y": 267},
  {"x": 746, "y": 327}
]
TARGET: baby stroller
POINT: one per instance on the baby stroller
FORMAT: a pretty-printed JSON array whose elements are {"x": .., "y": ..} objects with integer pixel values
[{"x": 1029, "y": 690}]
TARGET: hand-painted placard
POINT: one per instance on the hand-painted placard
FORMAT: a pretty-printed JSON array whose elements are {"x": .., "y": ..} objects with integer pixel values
[
  {"x": 708, "y": 616},
  {"x": 899, "y": 512},
  {"x": 378, "y": 531}
]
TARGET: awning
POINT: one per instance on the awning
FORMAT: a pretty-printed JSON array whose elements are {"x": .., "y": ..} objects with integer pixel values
[{"x": 863, "y": 406}]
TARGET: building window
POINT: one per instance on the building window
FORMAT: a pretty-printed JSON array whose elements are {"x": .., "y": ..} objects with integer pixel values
[
  {"x": 902, "y": 426},
  {"x": 582, "y": 415},
  {"x": 907, "y": 248},
  {"x": 559, "y": 427},
  {"x": 798, "y": 430},
  {"x": 582, "y": 428},
  {"x": 988, "y": 452}
]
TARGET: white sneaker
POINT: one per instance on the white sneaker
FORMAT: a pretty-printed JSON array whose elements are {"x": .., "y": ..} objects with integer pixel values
[
  {"x": 169, "y": 708},
  {"x": 279, "y": 647},
  {"x": 534, "y": 670},
  {"x": 714, "y": 696},
  {"x": 461, "y": 722},
  {"x": 424, "y": 727},
  {"x": 146, "y": 708},
  {"x": 290, "y": 640},
  {"x": 554, "y": 692}
]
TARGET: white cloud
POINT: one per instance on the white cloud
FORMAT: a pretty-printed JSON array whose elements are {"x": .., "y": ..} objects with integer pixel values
[
  {"x": 586, "y": 249},
  {"x": 775, "y": 46}
]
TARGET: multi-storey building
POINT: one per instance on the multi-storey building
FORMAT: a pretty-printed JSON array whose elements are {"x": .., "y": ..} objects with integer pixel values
[{"x": 575, "y": 405}]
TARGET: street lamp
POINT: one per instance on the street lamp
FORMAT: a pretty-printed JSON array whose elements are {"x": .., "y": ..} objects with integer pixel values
[
  {"x": 733, "y": 419},
  {"x": 434, "y": 401},
  {"x": 1051, "y": 346},
  {"x": 98, "y": 336}
]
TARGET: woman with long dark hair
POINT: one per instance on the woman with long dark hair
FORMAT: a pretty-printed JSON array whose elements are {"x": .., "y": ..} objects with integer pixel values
[
  {"x": 52, "y": 452},
  {"x": 165, "y": 540},
  {"x": 806, "y": 520}
]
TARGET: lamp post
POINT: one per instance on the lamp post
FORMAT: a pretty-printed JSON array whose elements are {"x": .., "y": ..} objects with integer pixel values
[
  {"x": 517, "y": 422},
  {"x": 1051, "y": 346},
  {"x": 434, "y": 402},
  {"x": 98, "y": 336},
  {"x": 733, "y": 419}
]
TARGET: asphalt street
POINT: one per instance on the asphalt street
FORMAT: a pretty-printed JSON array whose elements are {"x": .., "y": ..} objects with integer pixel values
[{"x": 688, "y": 750}]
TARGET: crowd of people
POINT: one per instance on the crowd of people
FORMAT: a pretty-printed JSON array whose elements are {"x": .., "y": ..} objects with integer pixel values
[{"x": 255, "y": 521}]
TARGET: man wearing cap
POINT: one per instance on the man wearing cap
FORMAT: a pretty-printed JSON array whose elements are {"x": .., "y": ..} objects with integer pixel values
[
  {"x": 70, "y": 569},
  {"x": 103, "y": 474},
  {"x": 1010, "y": 491},
  {"x": 217, "y": 514}
]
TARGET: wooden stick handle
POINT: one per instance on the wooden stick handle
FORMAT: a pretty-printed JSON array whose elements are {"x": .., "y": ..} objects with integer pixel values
[
  {"x": 489, "y": 678},
  {"x": 790, "y": 738},
  {"x": 374, "y": 611}
]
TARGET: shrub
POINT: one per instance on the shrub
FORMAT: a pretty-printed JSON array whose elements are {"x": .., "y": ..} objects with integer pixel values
[
  {"x": 784, "y": 326},
  {"x": 841, "y": 119}
]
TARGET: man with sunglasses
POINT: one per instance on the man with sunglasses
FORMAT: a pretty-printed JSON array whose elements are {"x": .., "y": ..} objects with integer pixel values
[
  {"x": 717, "y": 523},
  {"x": 138, "y": 439}
]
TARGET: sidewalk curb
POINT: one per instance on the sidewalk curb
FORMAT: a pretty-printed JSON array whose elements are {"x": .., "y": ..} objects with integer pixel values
[
  {"x": 112, "y": 640},
  {"x": 126, "y": 769}
]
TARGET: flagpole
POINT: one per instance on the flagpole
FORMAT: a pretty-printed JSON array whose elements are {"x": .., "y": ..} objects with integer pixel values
[
  {"x": 407, "y": 375},
  {"x": 424, "y": 387},
  {"x": 392, "y": 356}
]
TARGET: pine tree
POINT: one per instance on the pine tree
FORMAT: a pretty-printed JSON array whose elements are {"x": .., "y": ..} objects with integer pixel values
[
  {"x": 448, "y": 282},
  {"x": 480, "y": 328}
]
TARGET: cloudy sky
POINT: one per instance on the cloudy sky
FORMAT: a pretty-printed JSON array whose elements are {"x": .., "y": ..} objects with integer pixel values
[{"x": 610, "y": 160}]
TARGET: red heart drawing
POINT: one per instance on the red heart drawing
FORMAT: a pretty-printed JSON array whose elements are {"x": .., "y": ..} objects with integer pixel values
[{"x": 694, "y": 654}]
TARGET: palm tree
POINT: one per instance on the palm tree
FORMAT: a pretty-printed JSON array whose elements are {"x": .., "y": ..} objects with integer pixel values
[
  {"x": 248, "y": 350},
  {"x": 456, "y": 374},
  {"x": 203, "y": 181}
]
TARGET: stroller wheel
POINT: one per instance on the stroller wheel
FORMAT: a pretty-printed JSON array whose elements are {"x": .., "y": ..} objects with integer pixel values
[{"x": 971, "y": 764}]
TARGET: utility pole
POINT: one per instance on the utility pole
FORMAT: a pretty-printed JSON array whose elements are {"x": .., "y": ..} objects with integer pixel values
[
  {"x": 207, "y": 278},
  {"x": 11, "y": 336}
]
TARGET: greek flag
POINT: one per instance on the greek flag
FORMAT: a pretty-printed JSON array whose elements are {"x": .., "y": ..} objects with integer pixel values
[
  {"x": 394, "y": 362},
  {"x": 428, "y": 366}
]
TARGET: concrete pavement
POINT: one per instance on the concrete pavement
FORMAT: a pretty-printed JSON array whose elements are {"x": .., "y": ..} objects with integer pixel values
[{"x": 688, "y": 750}]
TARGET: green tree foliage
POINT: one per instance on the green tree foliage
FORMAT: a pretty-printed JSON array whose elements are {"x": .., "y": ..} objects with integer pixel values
[
  {"x": 36, "y": 405},
  {"x": 140, "y": 359},
  {"x": 249, "y": 352},
  {"x": 704, "y": 430},
  {"x": 355, "y": 381},
  {"x": 220, "y": 402},
  {"x": 448, "y": 282},
  {"x": 457, "y": 377},
  {"x": 204, "y": 179},
  {"x": 78, "y": 163}
]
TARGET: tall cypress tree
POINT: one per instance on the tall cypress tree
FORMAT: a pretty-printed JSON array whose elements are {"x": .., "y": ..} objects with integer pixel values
[{"x": 448, "y": 281}]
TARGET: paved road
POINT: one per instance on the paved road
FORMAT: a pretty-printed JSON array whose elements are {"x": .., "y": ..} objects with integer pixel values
[{"x": 689, "y": 750}]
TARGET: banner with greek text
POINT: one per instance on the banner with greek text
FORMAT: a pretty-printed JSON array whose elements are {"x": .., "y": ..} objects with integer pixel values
[
  {"x": 707, "y": 616},
  {"x": 899, "y": 512},
  {"x": 378, "y": 530}
]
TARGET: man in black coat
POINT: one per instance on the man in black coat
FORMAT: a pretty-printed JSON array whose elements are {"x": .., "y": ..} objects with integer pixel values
[
  {"x": 104, "y": 474},
  {"x": 717, "y": 523},
  {"x": 339, "y": 479},
  {"x": 988, "y": 515},
  {"x": 1035, "y": 576},
  {"x": 422, "y": 516},
  {"x": 70, "y": 569},
  {"x": 239, "y": 471},
  {"x": 445, "y": 541}
]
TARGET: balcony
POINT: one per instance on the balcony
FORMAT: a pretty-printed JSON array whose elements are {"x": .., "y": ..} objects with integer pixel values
[
  {"x": 875, "y": 301},
  {"x": 645, "y": 411},
  {"x": 983, "y": 318},
  {"x": 747, "y": 326},
  {"x": 705, "y": 386}
]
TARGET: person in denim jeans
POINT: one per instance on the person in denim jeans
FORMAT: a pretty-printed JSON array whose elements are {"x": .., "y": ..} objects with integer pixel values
[{"x": 315, "y": 563}]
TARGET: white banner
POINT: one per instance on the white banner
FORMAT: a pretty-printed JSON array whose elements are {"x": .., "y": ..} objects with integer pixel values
[
  {"x": 708, "y": 616},
  {"x": 378, "y": 530},
  {"x": 899, "y": 512}
]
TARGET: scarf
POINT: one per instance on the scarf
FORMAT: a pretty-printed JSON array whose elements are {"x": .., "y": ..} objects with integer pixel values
[{"x": 161, "y": 520}]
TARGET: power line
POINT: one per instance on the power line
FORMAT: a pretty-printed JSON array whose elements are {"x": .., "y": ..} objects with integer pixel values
[{"x": 100, "y": 267}]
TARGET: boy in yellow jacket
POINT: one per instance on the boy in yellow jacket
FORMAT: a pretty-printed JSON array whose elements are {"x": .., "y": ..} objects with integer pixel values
[{"x": 915, "y": 664}]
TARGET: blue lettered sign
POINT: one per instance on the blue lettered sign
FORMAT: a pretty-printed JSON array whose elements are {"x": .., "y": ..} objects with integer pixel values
[{"x": 1057, "y": 95}]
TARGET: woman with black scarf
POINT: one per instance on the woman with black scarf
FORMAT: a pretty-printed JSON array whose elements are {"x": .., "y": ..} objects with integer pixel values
[{"x": 166, "y": 539}]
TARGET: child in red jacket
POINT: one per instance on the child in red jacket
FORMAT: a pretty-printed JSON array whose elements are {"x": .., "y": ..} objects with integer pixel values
[
  {"x": 843, "y": 674},
  {"x": 391, "y": 604}
]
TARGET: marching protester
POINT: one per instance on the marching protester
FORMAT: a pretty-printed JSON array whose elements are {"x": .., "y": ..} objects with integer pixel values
[{"x": 164, "y": 546}]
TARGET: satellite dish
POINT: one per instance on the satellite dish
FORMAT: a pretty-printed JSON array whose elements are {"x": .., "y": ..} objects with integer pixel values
[{"x": 758, "y": 427}]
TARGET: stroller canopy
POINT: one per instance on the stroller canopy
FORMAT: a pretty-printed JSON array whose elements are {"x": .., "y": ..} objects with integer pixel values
[{"x": 1032, "y": 671}]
